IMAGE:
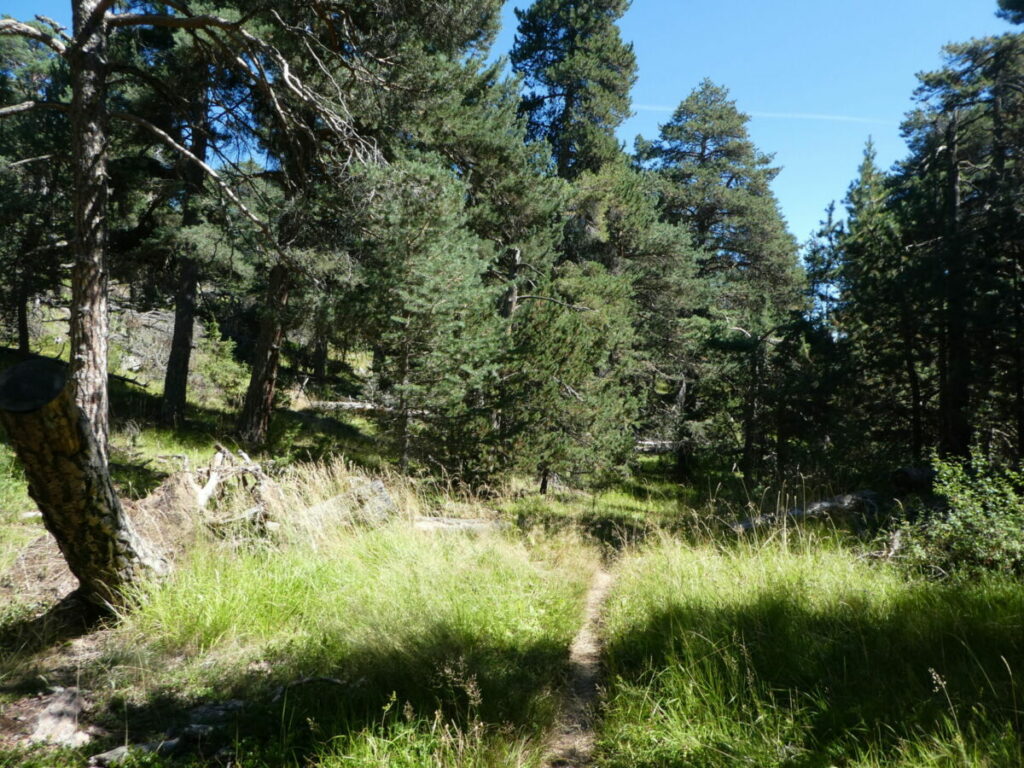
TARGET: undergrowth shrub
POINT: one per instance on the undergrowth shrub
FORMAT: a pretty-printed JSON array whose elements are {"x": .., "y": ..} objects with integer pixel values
[{"x": 980, "y": 525}]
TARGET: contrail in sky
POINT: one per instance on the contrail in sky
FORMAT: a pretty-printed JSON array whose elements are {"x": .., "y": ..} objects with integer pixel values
[{"x": 782, "y": 115}]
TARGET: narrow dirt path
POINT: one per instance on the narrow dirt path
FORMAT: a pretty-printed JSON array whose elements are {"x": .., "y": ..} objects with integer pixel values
[{"x": 572, "y": 742}]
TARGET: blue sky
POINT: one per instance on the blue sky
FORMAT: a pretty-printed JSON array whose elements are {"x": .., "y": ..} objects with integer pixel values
[{"x": 817, "y": 77}]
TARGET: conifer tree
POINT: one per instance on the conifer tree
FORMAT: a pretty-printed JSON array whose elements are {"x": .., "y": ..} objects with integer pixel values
[
  {"x": 714, "y": 181},
  {"x": 578, "y": 74}
]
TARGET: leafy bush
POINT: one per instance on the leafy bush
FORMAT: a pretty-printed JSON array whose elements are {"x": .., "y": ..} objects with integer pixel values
[{"x": 980, "y": 526}]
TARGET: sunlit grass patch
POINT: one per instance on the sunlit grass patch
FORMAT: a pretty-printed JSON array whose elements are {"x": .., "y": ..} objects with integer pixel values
[
  {"x": 807, "y": 655},
  {"x": 463, "y": 640}
]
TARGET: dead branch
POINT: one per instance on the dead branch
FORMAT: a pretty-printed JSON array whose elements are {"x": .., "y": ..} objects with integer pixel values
[
  {"x": 25, "y": 106},
  {"x": 574, "y": 307},
  {"x": 12, "y": 27}
]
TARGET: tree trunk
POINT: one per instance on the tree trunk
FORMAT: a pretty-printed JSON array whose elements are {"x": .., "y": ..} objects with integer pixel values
[
  {"x": 172, "y": 409},
  {"x": 23, "y": 335},
  {"x": 914, "y": 381},
  {"x": 68, "y": 479},
  {"x": 89, "y": 276},
  {"x": 751, "y": 407},
  {"x": 259, "y": 398},
  {"x": 956, "y": 432}
]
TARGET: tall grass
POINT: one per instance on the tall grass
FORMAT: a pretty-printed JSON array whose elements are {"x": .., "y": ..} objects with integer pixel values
[
  {"x": 424, "y": 648},
  {"x": 805, "y": 655}
]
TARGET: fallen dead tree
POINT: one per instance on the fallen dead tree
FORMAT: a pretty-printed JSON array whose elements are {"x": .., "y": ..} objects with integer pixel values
[
  {"x": 360, "y": 406},
  {"x": 210, "y": 482},
  {"x": 656, "y": 447},
  {"x": 848, "y": 508}
]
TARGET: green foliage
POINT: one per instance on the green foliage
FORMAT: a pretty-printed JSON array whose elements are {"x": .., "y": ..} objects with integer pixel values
[
  {"x": 1012, "y": 10},
  {"x": 980, "y": 526},
  {"x": 578, "y": 74},
  {"x": 570, "y": 407},
  {"x": 216, "y": 378},
  {"x": 431, "y": 316}
]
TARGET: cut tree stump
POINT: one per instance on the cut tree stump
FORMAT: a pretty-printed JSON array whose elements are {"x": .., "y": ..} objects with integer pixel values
[{"x": 68, "y": 478}]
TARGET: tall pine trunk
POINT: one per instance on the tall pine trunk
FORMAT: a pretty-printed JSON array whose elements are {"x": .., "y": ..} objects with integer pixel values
[
  {"x": 172, "y": 409},
  {"x": 259, "y": 398},
  {"x": 89, "y": 321},
  {"x": 914, "y": 381},
  {"x": 956, "y": 429},
  {"x": 24, "y": 342}
]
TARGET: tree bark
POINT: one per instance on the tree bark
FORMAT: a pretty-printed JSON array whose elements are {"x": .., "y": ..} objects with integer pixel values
[
  {"x": 172, "y": 409},
  {"x": 259, "y": 398},
  {"x": 914, "y": 381},
  {"x": 24, "y": 342},
  {"x": 751, "y": 408},
  {"x": 89, "y": 321},
  {"x": 956, "y": 426},
  {"x": 68, "y": 479}
]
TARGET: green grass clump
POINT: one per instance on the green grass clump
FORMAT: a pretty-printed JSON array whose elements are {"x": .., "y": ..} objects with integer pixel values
[
  {"x": 449, "y": 645},
  {"x": 776, "y": 656}
]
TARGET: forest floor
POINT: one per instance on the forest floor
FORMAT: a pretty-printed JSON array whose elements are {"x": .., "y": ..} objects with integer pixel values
[
  {"x": 624, "y": 628},
  {"x": 528, "y": 642},
  {"x": 574, "y": 734}
]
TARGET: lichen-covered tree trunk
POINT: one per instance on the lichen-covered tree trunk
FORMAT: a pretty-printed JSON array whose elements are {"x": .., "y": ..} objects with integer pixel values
[
  {"x": 68, "y": 479},
  {"x": 89, "y": 277},
  {"x": 259, "y": 397}
]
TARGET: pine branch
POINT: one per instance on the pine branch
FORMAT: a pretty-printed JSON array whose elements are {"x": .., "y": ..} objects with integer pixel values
[
  {"x": 169, "y": 140},
  {"x": 12, "y": 27},
  {"x": 25, "y": 106},
  {"x": 574, "y": 307}
]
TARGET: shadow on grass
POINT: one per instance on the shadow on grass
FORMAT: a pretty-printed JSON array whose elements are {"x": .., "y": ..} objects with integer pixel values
[
  {"x": 300, "y": 700},
  {"x": 852, "y": 676},
  {"x": 23, "y": 636}
]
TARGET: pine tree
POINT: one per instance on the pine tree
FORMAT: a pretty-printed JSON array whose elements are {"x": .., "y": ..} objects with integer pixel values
[
  {"x": 714, "y": 181},
  {"x": 578, "y": 74}
]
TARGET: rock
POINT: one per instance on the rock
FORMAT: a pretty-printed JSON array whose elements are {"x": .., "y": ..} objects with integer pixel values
[
  {"x": 111, "y": 757},
  {"x": 119, "y": 755},
  {"x": 373, "y": 502},
  {"x": 367, "y": 502},
  {"x": 58, "y": 722},
  {"x": 459, "y": 524},
  {"x": 196, "y": 732},
  {"x": 217, "y": 713},
  {"x": 854, "y": 508}
]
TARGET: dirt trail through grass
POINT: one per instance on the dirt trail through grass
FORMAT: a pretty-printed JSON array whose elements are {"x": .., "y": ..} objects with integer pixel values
[{"x": 572, "y": 743}]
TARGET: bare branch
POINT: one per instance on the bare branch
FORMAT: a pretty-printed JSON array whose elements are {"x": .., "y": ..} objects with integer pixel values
[
  {"x": 26, "y": 161},
  {"x": 12, "y": 27},
  {"x": 176, "y": 22},
  {"x": 25, "y": 106},
  {"x": 574, "y": 307},
  {"x": 57, "y": 28},
  {"x": 229, "y": 193}
]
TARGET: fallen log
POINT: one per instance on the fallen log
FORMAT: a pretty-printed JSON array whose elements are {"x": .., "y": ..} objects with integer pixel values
[{"x": 856, "y": 506}]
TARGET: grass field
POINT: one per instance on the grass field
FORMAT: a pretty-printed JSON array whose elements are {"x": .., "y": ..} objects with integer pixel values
[{"x": 807, "y": 655}]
